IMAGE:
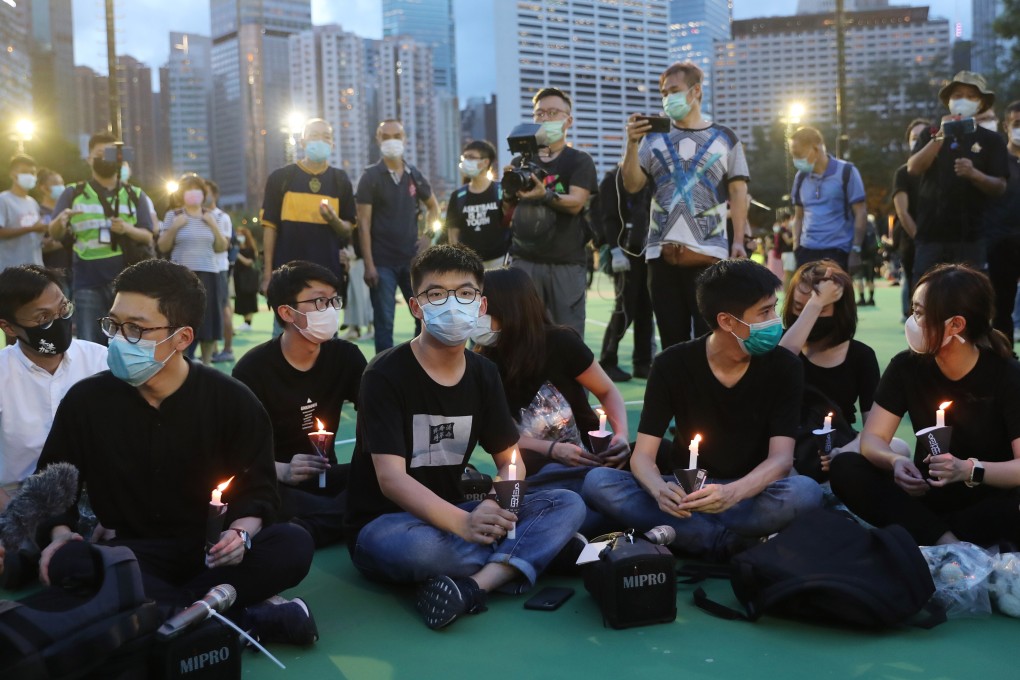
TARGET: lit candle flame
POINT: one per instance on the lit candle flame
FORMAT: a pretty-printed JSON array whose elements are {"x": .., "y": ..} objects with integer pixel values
[
  {"x": 319, "y": 424},
  {"x": 830, "y": 414},
  {"x": 223, "y": 487},
  {"x": 513, "y": 457},
  {"x": 944, "y": 405},
  {"x": 697, "y": 438}
]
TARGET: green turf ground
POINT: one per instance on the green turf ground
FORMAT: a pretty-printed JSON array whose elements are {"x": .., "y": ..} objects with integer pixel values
[{"x": 369, "y": 632}]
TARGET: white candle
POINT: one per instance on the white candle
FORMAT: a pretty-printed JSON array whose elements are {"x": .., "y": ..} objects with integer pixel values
[
  {"x": 693, "y": 448},
  {"x": 602, "y": 419},
  {"x": 217, "y": 493},
  {"x": 940, "y": 415},
  {"x": 828, "y": 423},
  {"x": 512, "y": 472}
]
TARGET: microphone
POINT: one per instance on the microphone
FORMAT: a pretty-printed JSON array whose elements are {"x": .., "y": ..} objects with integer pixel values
[
  {"x": 660, "y": 535},
  {"x": 42, "y": 496},
  {"x": 219, "y": 599}
]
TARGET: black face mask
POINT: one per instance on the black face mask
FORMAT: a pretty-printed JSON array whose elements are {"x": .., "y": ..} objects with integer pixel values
[
  {"x": 823, "y": 328},
  {"x": 48, "y": 341},
  {"x": 103, "y": 168}
]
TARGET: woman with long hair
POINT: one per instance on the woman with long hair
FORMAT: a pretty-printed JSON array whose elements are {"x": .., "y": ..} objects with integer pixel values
[
  {"x": 970, "y": 491},
  {"x": 246, "y": 277},
  {"x": 530, "y": 352}
]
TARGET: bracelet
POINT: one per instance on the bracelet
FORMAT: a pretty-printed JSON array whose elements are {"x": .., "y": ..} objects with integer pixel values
[{"x": 552, "y": 446}]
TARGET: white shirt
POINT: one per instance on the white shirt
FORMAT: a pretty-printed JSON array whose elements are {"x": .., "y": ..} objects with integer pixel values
[
  {"x": 29, "y": 397},
  {"x": 227, "y": 229}
]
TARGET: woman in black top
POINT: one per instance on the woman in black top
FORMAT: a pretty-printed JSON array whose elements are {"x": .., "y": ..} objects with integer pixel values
[
  {"x": 530, "y": 352},
  {"x": 246, "y": 276},
  {"x": 821, "y": 319},
  {"x": 969, "y": 492}
]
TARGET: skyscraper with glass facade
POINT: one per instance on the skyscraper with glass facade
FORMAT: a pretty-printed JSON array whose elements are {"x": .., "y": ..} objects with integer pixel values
[{"x": 694, "y": 26}]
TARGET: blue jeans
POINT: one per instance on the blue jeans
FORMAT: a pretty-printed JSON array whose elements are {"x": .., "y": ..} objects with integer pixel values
[
  {"x": 400, "y": 548},
  {"x": 384, "y": 302},
  {"x": 90, "y": 305},
  {"x": 560, "y": 476},
  {"x": 617, "y": 494}
]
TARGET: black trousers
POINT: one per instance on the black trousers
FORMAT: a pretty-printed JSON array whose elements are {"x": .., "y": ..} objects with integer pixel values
[
  {"x": 983, "y": 515},
  {"x": 633, "y": 306},
  {"x": 674, "y": 301},
  {"x": 1004, "y": 270},
  {"x": 319, "y": 511},
  {"x": 174, "y": 572}
]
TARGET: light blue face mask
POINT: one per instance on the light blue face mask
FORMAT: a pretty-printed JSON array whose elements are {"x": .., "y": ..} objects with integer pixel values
[
  {"x": 483, "y": 334},
  {"x": 317, "y": 151},
  {"x": 125, "y": 173},
  {"x": 451, "y": 323},
  {"x": 136, "y": 363},
  {"x": 56, "y": 191},
  {"x": 764, "y": 337},
  {"x": 676, "y": 105},
  {"x": 553, "y": 130}
]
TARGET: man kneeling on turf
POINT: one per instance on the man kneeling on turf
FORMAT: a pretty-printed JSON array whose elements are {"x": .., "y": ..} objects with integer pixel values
[
  {"x": 423, "y": 407},
  {"x": 743, "y": 397}
]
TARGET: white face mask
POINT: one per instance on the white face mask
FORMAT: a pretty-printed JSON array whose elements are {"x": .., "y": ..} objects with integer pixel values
[
  {"x": 320, "y": 326},
  {"x": 990, "y": 125},
  {"x": 392, "y": 148},
  {"x": 1014, "y": 136},
  {"x": 470, "y": 167},
  {"x": 484, "y": 334},
  {"x": 915, "y": 336},
  {"x": 26, "y": 181},
  {"x": 962, "y": 107}
]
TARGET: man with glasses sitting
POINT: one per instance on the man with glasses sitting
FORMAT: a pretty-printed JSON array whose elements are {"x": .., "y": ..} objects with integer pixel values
[
  {"x": 424, "y": 405},
  {"x": 36, "y": 373},
  {"x": 303, "y": 378},
  {"x": 152, "y": 438},
  {"x": 549, "y": 226}
]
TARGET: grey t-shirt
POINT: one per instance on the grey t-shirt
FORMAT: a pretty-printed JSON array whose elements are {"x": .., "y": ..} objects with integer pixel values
[{"x": 16, "y": 212}]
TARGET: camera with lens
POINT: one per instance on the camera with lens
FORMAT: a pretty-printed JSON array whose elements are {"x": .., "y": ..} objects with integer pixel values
[{"x": 524, "y": 140}]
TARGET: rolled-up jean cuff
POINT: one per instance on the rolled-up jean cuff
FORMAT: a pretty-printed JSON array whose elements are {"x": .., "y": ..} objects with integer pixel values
[{"x": 525, "y": 569}]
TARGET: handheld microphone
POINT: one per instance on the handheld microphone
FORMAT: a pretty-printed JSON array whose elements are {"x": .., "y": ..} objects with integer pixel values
[
  {"x": 219, "y": 599},
  {"x": 661, "y": 535},
  {"x": 42, "y": 496}
]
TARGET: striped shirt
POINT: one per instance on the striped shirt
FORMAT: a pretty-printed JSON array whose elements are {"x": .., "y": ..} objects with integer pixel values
[{"x": 193, "y": 245}]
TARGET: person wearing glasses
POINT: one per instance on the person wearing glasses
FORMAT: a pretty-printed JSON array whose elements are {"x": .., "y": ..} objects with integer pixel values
[
  {"x": 38, "y": 369},
  {"x": 474, "y": 213},
  {"x": 151, "y": 438},
  {"x": 303, "y": 378},
  {"x": 423, "y": 407},
  {"x": 549, "y": 228},
  {"x": 830, "y": 211}
]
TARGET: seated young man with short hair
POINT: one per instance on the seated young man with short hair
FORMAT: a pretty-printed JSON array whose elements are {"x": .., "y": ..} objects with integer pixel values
[
  {"x": 303, "y": 376},
  {"x": 743, "y": 397},
  {"x": 152, "y": 437},
  {"x": 423, "y": 407}
]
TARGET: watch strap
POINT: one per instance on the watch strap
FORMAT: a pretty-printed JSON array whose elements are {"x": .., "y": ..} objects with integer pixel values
[
  {"x": 977, "y": 473},
  {"x": 245, "y": 537}
]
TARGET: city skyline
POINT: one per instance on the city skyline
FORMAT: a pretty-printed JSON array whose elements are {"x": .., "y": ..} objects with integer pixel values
[{"x": 475, "y": 34}]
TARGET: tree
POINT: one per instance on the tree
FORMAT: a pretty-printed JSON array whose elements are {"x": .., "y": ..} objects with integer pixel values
[{"x": 1006, "y": 79}]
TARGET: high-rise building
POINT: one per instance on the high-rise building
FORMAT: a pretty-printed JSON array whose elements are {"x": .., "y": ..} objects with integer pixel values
[
  {"x": 16, "y": 64},
  {"x": 773, "y": 62},
  {"x": 829, "y": 6},
  {"x": 91, "y": 104},
  {"x": 430, "y": 23},
  {"x": 52, "y": 56},
  {"x": 188, "y": 93},
  {"x": 327, "y": 80},
  {"x": 694, "y": 27},
  {"x": 251, "y": 92},
  {"x": 372, "y": 69},
  {"x": 478, "y": 120},
  {"x": 164, "y": 152},
  {"x": 607, "y": 55},
  {"x": 405, "y": 93},
  {"x": 138, "y": 122},
  {"x": 988, "y": 47}
]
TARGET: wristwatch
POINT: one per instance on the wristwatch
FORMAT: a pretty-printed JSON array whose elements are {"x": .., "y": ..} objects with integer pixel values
[
  {"x": 855, "y": 248},
  {"x": 245, "y": 537},
  {"x": 977, "y": 473}
]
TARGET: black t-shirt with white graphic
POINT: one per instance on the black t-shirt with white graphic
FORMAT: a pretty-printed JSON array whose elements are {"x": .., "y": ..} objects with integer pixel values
[
  {"x": 403, "y": 412},
  {"x": 479, "y": 221},
  {"x": 294, "y": 398}
]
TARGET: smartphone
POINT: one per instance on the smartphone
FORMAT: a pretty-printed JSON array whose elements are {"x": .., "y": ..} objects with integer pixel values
[
  {"x": 659, "y": 123},
  {"x": 549, "y": 599}
]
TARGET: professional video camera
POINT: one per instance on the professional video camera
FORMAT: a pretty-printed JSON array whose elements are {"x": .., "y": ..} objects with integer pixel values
[{"x": 525, "y": 140}]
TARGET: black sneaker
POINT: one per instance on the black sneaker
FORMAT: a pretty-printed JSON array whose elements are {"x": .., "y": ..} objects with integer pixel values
[
  {"x": 442, "y": 599},
  {"x": 289, "y": 622},
  {"x": 616, "y": 374},
  {"x": 642, "y": 371}
]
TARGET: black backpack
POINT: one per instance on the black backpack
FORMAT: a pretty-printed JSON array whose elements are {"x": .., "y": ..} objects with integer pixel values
[{"x": 826, "y": 568}]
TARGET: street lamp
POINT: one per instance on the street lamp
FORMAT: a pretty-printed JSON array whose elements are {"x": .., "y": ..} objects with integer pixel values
[
  {"x": 172, "y": 186},
  {"x": 23, "y": 131},
  {"x": 795, "y": 113},
  {"x": 293, "y": 125}
]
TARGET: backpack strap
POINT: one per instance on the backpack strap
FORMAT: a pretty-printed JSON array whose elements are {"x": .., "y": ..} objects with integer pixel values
[
  {"x": 847, "y": 172},
  {"x": 798, "y": 182},
  {"x": 710, "y": 606}
]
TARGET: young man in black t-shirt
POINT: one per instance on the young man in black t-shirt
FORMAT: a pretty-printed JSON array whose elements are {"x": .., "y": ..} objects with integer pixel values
[
  {"x": 474, "y": 213},
  {"x": 423, "y": 407},
  {"x": 303, "y": 379},
  {"x": 743, "y": 397}
]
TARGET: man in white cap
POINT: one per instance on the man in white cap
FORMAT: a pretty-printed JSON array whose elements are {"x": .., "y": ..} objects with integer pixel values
[{"x": 961, "y": 165}]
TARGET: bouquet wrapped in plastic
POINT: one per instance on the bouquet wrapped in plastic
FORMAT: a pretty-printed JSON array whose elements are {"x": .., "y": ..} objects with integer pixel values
[
  {"x": 1004, "y": 583},
  {"x": 550, "y": 417},
  {"x": 961, "y": 573}
]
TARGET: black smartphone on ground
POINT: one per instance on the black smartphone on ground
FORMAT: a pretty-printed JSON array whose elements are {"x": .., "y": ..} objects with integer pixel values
[
  {"x": 548, "y": 599},
  {"x": 659, "y": 123}
]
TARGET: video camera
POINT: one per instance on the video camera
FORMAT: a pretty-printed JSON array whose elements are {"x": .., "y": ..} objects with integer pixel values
[{"x": 524, "y": 140}]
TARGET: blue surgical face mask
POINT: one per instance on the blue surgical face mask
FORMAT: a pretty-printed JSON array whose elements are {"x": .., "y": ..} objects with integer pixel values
[
  {"x": 803, "y": 164},
  {"x": 125, "y": 173},
  {"x": 484, "y": 334},
  {"x": 451, "y": 323},
  {"x": 317, "y": 151},
  {"x": 136, "y": 364},
  {"x": 56, "y": 191},
  {"x": 676, "y": 105},
  {"x": 764, "y": 337},
  {"x": 553, "y": 130}
]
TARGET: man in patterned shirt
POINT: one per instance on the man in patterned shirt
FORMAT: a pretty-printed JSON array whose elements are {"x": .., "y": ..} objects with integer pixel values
[{"x": 695, "y": 169}]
